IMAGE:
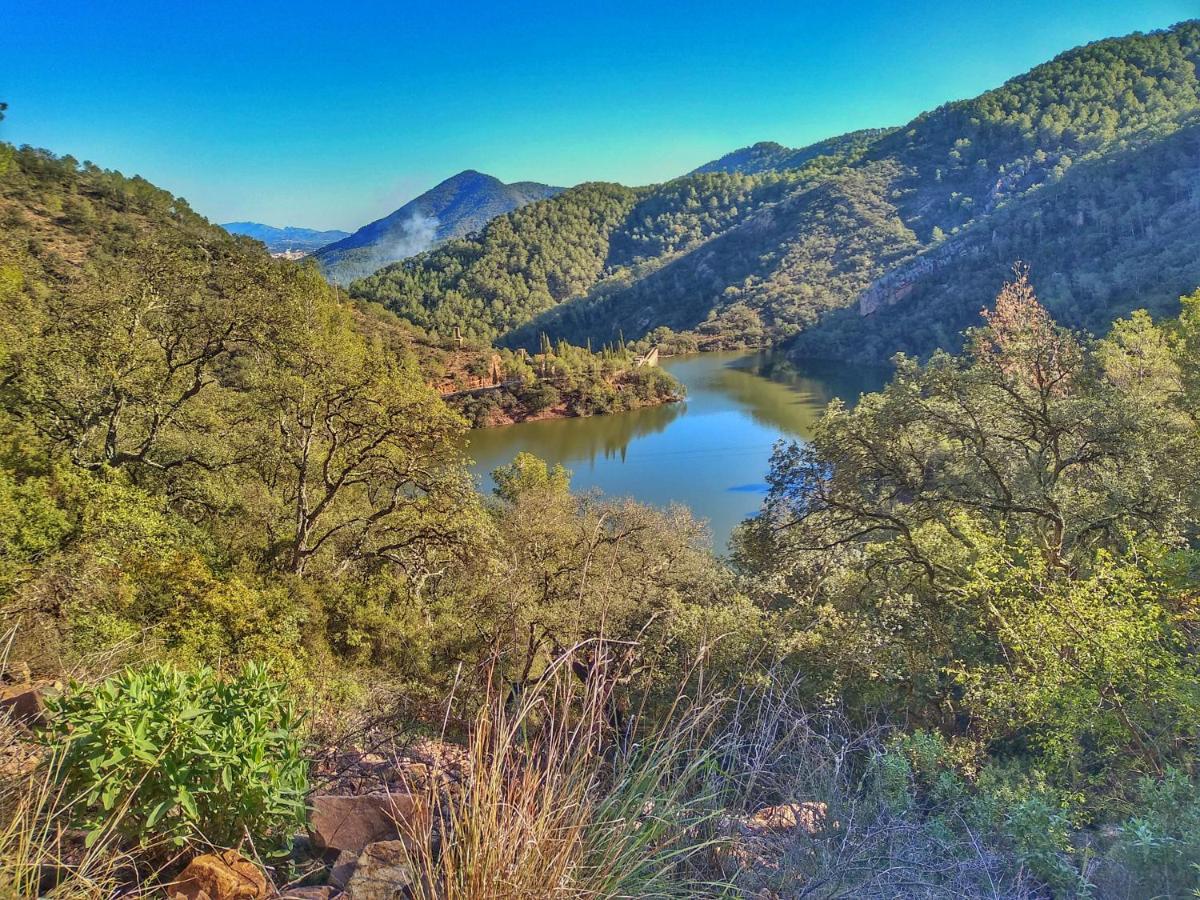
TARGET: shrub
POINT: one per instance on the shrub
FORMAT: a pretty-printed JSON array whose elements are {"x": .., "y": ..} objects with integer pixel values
[{"x": 161, "y": 754}]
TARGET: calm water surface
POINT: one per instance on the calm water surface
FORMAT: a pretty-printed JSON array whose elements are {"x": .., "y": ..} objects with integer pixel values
[{"x": 710, "y": 452}]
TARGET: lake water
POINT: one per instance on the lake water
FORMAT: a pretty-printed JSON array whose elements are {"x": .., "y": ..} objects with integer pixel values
[{"x": 710, "y": 452}]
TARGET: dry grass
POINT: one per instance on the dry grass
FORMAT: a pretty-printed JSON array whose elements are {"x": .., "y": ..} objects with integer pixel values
[
  {"x": 552, "y": 807},
  {"x": 39, "y": 856}
]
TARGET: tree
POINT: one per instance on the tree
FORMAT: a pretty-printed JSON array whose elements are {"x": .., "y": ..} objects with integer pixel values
[
  {"x": 527, "y": 474},
  {"x": 1037, "y": 447},
  {"x": 363, "y": 461},
  {"x": 129, "y": 368}
]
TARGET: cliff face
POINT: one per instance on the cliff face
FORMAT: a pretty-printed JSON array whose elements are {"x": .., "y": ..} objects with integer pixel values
[{"x": 899, "y": 284}]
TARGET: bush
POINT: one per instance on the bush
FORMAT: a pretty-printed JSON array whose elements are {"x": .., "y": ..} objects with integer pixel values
[{"x": 190, "y": 758}]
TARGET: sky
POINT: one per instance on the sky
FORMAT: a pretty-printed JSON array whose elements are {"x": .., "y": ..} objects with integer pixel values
[{"x": 330, "y": 115}]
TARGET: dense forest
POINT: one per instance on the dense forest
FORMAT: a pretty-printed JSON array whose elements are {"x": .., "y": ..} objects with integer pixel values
[
  {"x": 492, "y": 386},
  {"x": 867, "y": 244}
]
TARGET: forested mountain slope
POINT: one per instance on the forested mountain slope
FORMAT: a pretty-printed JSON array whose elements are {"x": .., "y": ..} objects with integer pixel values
[
  {"x": 765, "y": 257},
  {"x": 766, "y": 156},
  {"x": 459, "y": 206},
  {"x": 607, "y": 235},
  {"x": 1117, "y": 232}
]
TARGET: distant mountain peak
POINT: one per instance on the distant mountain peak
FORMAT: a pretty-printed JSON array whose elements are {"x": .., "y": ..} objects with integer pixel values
[{"x": 458, "y": 206}]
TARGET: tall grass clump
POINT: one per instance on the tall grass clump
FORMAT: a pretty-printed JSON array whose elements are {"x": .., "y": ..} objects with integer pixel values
[
  {"x": 38, "y": 855},
  {"x": 555, "y": 802}
]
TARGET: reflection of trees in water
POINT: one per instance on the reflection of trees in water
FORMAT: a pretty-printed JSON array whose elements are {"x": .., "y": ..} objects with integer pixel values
[
  {"x": 771, "y": 390},
  {"x": 571, "y": 440},
  {"x": 779, "y": 393},
  {"x": 825, "y": 379}
]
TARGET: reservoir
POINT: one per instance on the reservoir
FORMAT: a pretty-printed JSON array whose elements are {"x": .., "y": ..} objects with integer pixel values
[{"x": 710, "y": 451}]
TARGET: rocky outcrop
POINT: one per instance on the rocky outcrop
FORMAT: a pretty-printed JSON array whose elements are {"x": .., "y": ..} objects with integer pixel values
[
  {"x": 900, "y": 282},
  {"x": 223, "y": 876}
]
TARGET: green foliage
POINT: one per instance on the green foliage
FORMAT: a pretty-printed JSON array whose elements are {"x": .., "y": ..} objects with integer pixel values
[
  {"x": 528, "y": 474},
  {"x": 984, "y": 547},
  {"x": 1098, "y": 670},
  {"x": 192, "y": 758},
  {"x": 920, "y": 774},
  {"x": 1160, "y": 843}
]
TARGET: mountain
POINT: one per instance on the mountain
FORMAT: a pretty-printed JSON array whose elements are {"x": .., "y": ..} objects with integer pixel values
[
  {"x": 1086, "y": 167},
  {"x": 768, "y": 155},
  {"x": 457, "y": 207},
  {"x": 286, "y": 240}
]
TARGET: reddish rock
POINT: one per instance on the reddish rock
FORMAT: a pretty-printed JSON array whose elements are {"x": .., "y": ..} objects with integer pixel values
[
  {"x": 345, "y": 822},
  {"x": 224, "y": 876},
  {"x": 23, "y": 703}
]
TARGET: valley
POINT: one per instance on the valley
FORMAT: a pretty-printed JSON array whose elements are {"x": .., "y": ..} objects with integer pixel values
[{"x": 818, "y": 522}]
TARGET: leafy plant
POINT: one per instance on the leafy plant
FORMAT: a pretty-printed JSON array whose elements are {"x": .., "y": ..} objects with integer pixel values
[{"x": 161, "y": 754}]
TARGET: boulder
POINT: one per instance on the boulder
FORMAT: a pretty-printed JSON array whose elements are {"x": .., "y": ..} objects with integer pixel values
[
  {"x": 223, "y": 876},
  {"x": 381, "y": 873},
  {"x": 23, "y": 703},
  {"x": 351, "y": 822}
]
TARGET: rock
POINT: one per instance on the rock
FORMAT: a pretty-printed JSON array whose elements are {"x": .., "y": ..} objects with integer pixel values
[
  {"x": 808, "y": 816},
  {"x": 225, "y": 876},
  {"x": 311, "y": 892},
  {"x": 343, "y": 868},
  {"x": 351, "y": 822},
  {"x": 23, "y": 703},
  {"x": 381, "y": 873}
]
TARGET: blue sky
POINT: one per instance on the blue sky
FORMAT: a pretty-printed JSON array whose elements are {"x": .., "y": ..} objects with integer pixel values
[{"x": 329, "y": 115}]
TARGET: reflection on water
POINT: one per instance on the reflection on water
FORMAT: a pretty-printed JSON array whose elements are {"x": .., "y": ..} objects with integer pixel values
[
  {"x": 608, "y": 437},
  {"x": 710, "y": 452}
]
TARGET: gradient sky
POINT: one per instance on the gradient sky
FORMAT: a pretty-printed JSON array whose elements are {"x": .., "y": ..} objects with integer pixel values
[{"x": 329, "y": 115}]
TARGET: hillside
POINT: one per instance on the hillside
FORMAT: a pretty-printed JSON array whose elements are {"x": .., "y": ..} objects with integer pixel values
[
  {"x": 1081, "y": 166},
  {"x": 768, "y": 155},
  {"x": 287, "y": 239},
  {"x": 457, "y": 207},
  {"x": 528, "y": 262}
]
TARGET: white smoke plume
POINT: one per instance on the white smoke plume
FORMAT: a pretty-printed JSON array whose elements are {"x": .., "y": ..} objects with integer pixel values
[
  {"x": 416, "y": 234},
  {"x": 419, "y": 233}
]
